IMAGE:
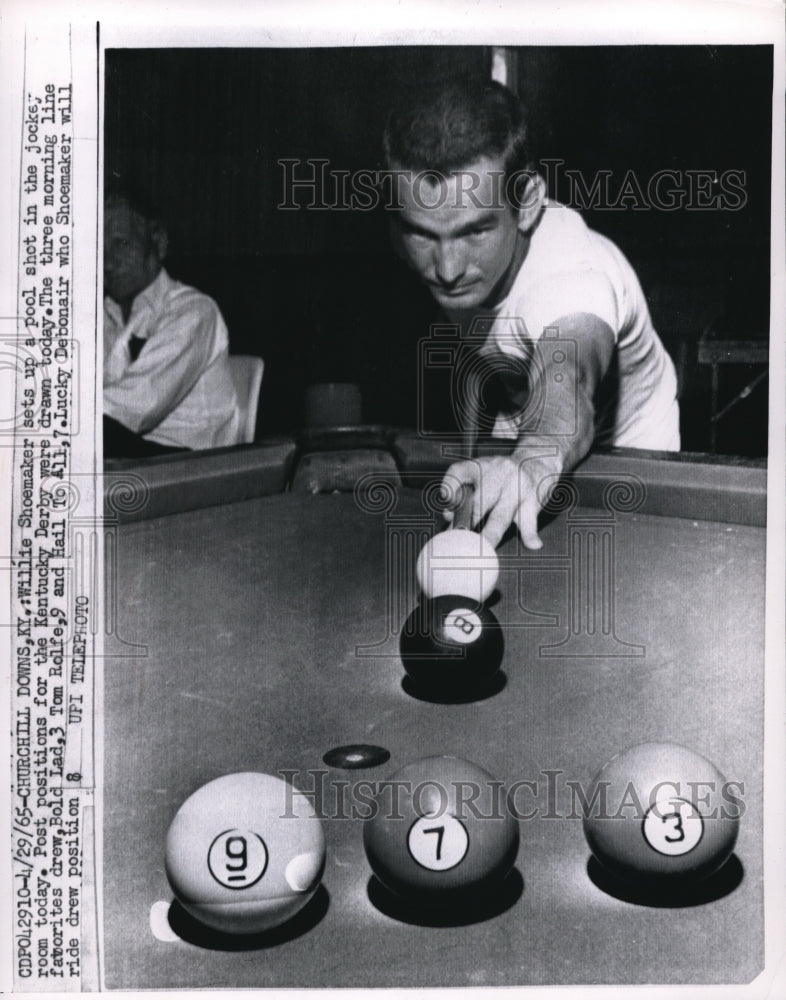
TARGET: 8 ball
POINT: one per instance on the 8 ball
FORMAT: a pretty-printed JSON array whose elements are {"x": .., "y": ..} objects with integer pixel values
[{"x": 451, "y": 643}]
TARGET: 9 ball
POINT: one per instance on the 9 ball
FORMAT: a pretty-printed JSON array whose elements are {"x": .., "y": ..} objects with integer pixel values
[
  {"x": 451, "y": 643},
  {"x": 245, "y": 853},
  {"x": 660, "y": 811},
  {"x": 441, "y": 830}
]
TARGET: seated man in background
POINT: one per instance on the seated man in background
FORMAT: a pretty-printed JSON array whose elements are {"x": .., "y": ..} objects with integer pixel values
[
  {"x": 167, "y": 382},
  {"x": 519, "y": 274}
]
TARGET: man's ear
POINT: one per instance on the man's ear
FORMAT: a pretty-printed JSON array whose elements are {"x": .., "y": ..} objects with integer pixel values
[
  {"x": 160, "y": 239},
  {"x": 530, "y": 198}
]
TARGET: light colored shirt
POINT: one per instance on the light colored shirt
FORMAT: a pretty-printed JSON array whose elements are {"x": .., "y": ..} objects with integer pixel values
[
  {"x": 571, "y": 269},
  {"x": 179, "y": 390}
]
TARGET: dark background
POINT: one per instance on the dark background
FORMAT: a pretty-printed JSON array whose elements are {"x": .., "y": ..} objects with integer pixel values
[{"x": 320, "y": 295}]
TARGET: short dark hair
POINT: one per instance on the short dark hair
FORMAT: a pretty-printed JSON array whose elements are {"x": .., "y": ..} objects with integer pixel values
[
  {"x": 136, "y": 198},
  {"x": 457, "y": 123}
]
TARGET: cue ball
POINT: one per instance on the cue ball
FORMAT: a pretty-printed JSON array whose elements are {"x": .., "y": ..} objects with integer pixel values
[
  {"x": 245, "y": 852},
  {"x": 450, "y": 643},
  {"x": 662, "y": 812},
  {"x": 458, "y": 561},
  {"x": 441, "y": 829}
]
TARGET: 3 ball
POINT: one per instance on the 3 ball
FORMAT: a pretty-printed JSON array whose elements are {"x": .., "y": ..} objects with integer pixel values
[{"x": 661, "y": 811}]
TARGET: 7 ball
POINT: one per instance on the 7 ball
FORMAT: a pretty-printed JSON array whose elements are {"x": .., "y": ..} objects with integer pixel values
[{"x": 441, "y": 831}]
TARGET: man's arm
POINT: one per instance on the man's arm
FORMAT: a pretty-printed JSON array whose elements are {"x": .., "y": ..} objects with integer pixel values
[
  {"x": 167, "y": 368},
  {"x": 507, "y": 489}
]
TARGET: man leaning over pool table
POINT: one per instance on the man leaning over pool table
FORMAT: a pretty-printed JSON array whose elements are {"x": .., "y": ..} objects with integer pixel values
[{"x": 481, "y": 233}]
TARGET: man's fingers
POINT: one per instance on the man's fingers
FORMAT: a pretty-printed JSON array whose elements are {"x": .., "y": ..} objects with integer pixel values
[
  {"x": 500, "y": 518},
  {"x": 527, "y": 522},
  {"x": 502, "y": 497},
  {"x": 466, "y": 471},
  {"x": 461, "y": 474}
]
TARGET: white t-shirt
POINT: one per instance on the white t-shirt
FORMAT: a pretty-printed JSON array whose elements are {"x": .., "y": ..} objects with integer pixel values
[
  {"x": 571, "y": 269},
  {"x": 179, "y": 390}
]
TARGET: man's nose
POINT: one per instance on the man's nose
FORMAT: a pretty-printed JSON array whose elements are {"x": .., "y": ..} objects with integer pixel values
[{"x": 449, "y": 263}]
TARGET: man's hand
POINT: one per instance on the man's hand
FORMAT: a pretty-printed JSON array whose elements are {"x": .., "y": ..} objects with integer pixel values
[
  {"x": 506, "y": 492},
  {"x": 513, "y": 490}
]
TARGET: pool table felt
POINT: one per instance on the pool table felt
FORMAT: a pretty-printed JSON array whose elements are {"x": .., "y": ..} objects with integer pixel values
[{"x": 248, "y": 618}]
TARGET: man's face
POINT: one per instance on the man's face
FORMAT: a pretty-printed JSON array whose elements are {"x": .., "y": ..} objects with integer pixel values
[
  {"x": 468, "y": 246},
  {"x": 132, "y": 256}
]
